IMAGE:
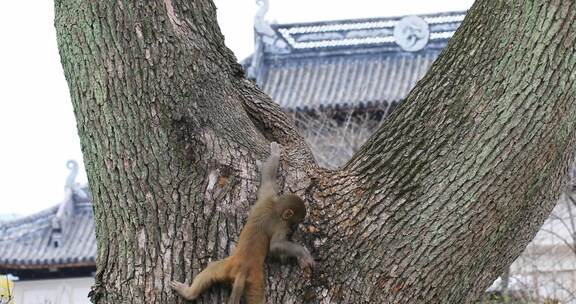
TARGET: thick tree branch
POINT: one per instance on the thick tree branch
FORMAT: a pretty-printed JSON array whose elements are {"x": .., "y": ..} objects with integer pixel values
[{"x": 464, "y": 172}]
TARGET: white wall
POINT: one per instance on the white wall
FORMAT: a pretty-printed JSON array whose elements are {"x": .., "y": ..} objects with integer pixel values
[{"x": 54, "y": 291}]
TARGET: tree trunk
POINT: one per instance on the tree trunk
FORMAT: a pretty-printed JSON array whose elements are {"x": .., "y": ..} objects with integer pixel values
[{"x": 439, "y": 201}]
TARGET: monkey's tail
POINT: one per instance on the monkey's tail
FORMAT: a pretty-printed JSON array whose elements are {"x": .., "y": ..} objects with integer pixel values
[{"x": 238, "y": 288}]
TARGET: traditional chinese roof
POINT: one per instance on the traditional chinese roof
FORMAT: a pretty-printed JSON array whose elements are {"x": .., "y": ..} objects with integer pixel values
[
  {"x": 347, "y": 64},
  {"x": 61, "y": 236}
]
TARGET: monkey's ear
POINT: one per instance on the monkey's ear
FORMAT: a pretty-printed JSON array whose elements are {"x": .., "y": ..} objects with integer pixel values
[{"x": 287, "y": 214}]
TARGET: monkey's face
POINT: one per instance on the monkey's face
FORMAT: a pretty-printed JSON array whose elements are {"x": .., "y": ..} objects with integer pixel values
[
  {"x": 291, "y": 217},
  {"x": 291, "y": 208},
  {"x": 291, "y": 224}
]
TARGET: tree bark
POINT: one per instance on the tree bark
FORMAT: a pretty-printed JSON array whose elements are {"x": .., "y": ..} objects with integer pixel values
[{"x": 438, "y": 202}]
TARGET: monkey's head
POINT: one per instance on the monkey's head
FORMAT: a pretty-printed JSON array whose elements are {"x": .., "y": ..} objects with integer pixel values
[{"x": 291, "y": 208}]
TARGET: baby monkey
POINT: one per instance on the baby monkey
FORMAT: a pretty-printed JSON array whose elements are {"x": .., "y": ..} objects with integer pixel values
[{"x": 269, "y": 224}]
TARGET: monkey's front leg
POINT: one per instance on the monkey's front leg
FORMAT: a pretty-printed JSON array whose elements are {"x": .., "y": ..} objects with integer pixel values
[
  {"x": 283, "y": 248},
  {"x": 305, "y": 260},
  {"x": 268, "y": 184}
]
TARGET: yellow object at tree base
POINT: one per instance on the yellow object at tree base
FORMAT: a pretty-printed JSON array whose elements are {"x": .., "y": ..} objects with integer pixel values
[{"x": 6, "y": 290}]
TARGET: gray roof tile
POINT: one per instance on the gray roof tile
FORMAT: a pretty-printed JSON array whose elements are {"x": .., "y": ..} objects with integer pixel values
[
  {"x": 344, "y": 64},
  {"x": 28, "y": 242},
  {"x": 323, "y": 82}
]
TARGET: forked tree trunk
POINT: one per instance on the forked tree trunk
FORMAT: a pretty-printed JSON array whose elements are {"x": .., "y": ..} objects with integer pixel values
[{"x": 439, "y": 201}]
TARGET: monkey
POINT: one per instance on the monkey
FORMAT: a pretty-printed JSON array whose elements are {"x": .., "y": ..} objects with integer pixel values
[{"x": 270, "y": 221}]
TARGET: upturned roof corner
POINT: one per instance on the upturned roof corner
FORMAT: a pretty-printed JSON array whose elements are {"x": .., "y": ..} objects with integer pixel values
[{"x": 60, "y": 236}]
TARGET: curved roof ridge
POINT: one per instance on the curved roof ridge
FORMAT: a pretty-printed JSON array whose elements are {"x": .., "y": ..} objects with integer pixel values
[
  {"x": 46, "y": 213},
  {"x": 349, "y": 64}
]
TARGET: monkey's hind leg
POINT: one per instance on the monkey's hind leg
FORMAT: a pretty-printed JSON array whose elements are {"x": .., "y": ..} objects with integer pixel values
[
  {"x": 255, "y": 289},
  {"x": 214, "y": 272},
  {"x": 238, "y": 288}
]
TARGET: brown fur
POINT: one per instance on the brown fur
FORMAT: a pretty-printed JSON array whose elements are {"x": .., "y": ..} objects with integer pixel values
[{"x": 267, "y": 228}]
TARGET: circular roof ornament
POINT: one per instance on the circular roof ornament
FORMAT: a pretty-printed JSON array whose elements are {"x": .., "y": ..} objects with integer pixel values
[{"x": 412, "y": 33}]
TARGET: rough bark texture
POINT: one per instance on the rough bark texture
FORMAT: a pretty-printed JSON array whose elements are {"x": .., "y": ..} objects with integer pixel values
[{"x": 440, "y": 200}]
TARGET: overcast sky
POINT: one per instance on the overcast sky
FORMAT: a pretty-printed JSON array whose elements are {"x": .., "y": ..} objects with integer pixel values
[{"x": 37, "y": 127}]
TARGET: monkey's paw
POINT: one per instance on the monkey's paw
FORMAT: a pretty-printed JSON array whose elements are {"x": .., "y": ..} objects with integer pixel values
[
  {"x": 306, "y": 261},
  {"x": 307, "y": 264},
  {"x": 274, "y": 149},
  {"x": 178, "y": 286},
  {"x": 183, "y": 290}
]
